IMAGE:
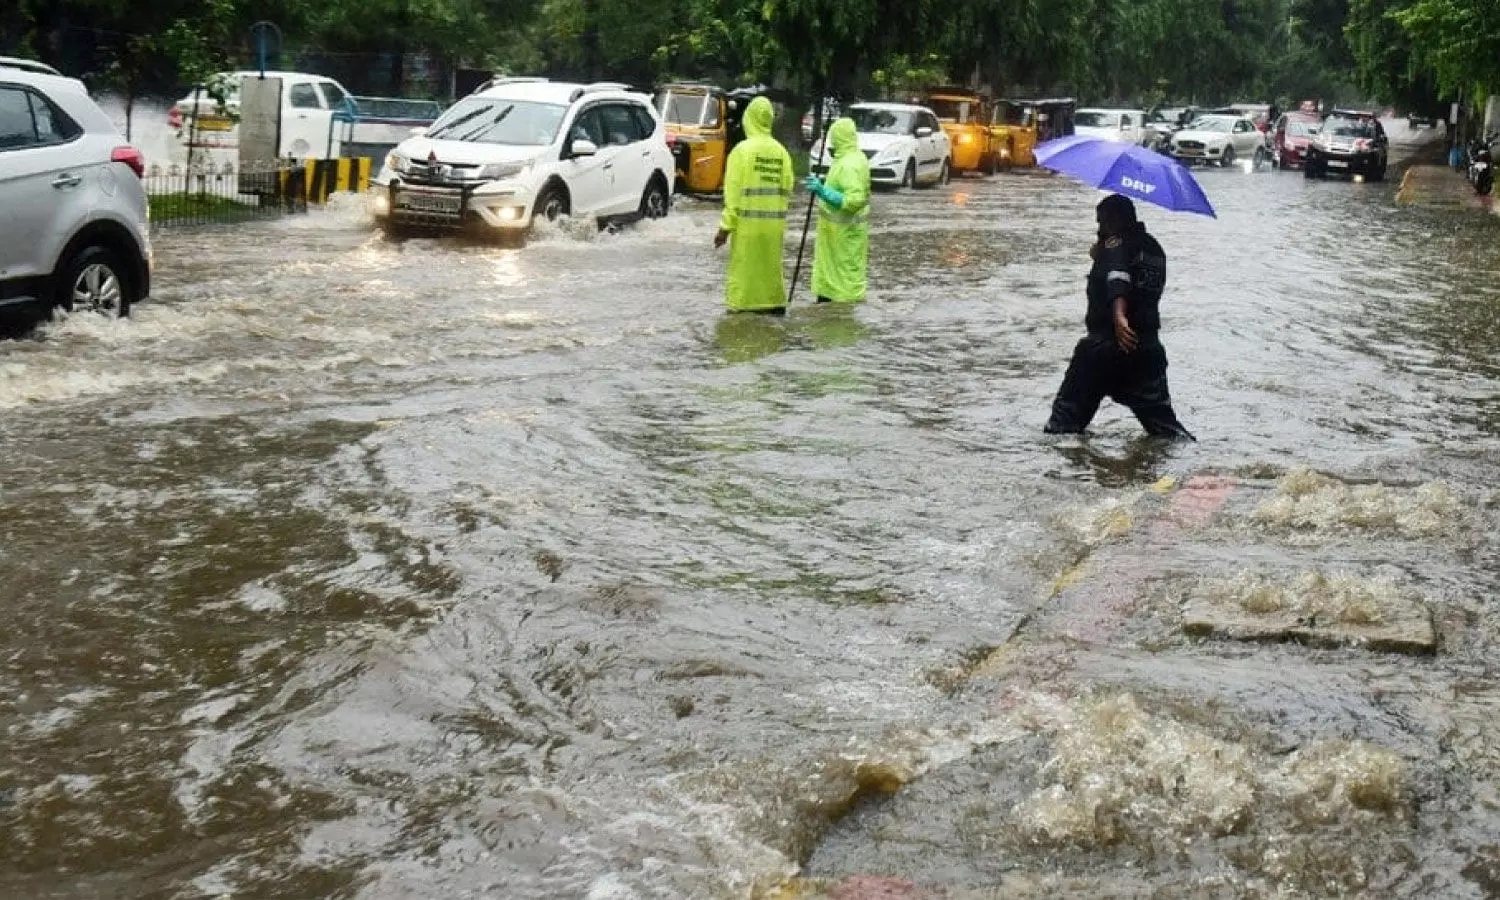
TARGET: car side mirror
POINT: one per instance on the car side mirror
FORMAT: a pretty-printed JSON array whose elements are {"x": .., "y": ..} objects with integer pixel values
[
  {"x": 582, "y": 148},
  {"x": 418, "y": 131},
  {"x": 924, "y": 131}
]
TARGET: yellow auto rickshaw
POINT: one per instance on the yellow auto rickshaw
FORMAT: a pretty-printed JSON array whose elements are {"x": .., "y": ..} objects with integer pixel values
[
  {"x": 1017, "y": 126},
  {"x": 703, "y": 124},
  {"x": 966, "y": 119}
]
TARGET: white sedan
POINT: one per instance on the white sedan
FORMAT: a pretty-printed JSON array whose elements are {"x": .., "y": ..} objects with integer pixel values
[
  {"x": 1219, "y": 139},
  {"x": 906, "y": 145}
]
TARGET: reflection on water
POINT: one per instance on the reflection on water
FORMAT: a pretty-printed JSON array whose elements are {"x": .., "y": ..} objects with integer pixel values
[{"x": 351, "y": 567}]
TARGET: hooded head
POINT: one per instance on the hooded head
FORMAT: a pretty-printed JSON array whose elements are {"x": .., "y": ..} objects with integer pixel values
[
  {"x": 1116, "y": 215},
  {"x": 759, "y": 117},
  {"x": 842, "y": 138}
]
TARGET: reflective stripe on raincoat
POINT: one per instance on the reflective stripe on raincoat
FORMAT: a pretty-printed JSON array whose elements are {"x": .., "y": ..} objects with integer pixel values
[
  {"x": 757, "y": 187},
  {"x": 843, "y": 246}
]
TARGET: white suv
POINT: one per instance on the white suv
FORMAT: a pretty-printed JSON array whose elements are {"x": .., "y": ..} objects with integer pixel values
[
  {"x": 520, "y": 148},
  {"x": 75, "y": 228}
]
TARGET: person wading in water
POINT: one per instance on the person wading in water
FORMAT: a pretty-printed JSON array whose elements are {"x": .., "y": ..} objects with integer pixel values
[{"x": 1122, "y": 357}]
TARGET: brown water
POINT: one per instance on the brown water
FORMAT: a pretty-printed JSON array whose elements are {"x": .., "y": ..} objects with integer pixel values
[{"x": 357, "y": 569}]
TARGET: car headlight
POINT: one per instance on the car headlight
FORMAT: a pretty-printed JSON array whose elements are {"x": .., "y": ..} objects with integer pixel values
[
  {"x": 497, "y": 171},
  {"x": 396, "y": 162},
  {"x": 889, "y": 154}
]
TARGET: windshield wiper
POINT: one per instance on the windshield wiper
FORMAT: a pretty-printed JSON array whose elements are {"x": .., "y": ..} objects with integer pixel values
[
  {"x": 489, "y": 126},
  {"x": 455, "y": 123}
]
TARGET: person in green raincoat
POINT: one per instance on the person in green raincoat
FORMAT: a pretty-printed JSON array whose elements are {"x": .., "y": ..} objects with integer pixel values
[
  {"x": 843, "y": 247},
  {"x": 758, "y": 183}
]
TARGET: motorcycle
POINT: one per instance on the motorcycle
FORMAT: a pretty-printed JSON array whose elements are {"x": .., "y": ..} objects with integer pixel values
[{"x": 1480, "y": 165}]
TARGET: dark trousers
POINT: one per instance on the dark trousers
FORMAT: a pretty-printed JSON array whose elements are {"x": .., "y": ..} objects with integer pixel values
[{"x": 1138, "y": 380}]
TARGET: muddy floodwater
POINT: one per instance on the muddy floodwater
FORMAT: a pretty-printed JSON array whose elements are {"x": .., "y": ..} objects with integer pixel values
[{"x": 359, "y": 569}]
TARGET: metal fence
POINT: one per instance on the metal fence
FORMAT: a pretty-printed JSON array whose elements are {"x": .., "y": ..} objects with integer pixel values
[{"x": 210, "y": 193}]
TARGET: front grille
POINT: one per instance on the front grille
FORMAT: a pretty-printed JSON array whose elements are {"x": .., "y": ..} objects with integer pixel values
[
  {"x": 1190, "y": 145},
  {"x": 882, "y": 173},
  {"x": 440, "y": 174}
]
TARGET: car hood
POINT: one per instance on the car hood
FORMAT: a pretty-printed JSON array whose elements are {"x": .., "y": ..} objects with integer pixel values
[
  {"x": 466, "y": 153},
  {"x": 874, "y": 143},
  {"x": 1206, "y": 137}
]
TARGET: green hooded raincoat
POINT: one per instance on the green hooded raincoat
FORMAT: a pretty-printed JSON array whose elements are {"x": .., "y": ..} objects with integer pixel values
[
  {"x": 844, "y": 234},
  {"x": 757, "y": 187}
]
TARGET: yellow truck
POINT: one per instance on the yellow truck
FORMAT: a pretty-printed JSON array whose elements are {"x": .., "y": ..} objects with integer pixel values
[{"x": 966, "y": 118}]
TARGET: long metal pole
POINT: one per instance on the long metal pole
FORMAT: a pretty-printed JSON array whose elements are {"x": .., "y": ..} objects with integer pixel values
[{"x": 812, "y": 201}]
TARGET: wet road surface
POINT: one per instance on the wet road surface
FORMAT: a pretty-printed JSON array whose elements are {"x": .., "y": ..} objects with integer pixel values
[{"x": 349, "y": 568}]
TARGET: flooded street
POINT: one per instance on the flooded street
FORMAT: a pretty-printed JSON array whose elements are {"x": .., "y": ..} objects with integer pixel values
[{"x": 350, "y": 568}]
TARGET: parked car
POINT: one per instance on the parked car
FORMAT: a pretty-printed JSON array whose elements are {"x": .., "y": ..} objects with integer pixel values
[
  {"x": 208, "y": 117},
  {"x": 515, "y": 151},
  {"x": 75, "y": 231},
  {"x": 1219, "y": 139},
  {"x": 1290, "y": 137},
  {"x": 1126, "y": 125},
  {"x": 1417, "y": 120},
  {"x": 906, "y": 144},
  {"x": 1348, "y": 143}
]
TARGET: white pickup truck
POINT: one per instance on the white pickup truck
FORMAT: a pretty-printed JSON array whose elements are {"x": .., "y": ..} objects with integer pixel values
[{"x": 319, "y": 119}]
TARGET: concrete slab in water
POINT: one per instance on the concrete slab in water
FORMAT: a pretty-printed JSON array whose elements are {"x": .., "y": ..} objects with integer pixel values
[{"x": 1402, "y": 628}]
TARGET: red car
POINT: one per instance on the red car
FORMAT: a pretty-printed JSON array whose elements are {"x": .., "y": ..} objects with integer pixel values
[{"x": 1290, "y": 139}]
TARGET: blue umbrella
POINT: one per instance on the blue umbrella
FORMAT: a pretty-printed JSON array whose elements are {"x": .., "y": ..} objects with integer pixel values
[{"x": 1127, "y": 169}]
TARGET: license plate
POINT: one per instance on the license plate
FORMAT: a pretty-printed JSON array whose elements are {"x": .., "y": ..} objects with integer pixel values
[
  {"x": 215, "y": 123},
  {"x": 1191, "y": 152},
  {"x": 1337, "y": 164},
  {"x": 431, "y": 203}
]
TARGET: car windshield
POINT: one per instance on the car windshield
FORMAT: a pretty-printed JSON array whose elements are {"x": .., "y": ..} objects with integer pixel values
[
  {"x": 491, "y": 120},
  {"x": 960, "y": 111},
  {"x": 1301, "y": 129},
  {"x": 1084, "y": 119},
  {"x": 1212, "y": 124},
  {"x": 881, "y": 121},
  {"x": 690, "y": 108},
  {"x": 1345, "y": 128}
]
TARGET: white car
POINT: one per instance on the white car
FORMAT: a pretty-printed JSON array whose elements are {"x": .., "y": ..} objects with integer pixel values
[
  {"x": 1220, "y": 139},
  {"x": 1124, "y": 125},
  {"x": 906, "y": 144},
  {"x": 75, "y": 230},
  {"x": 208, "y": 117},
  {"x": 522, "y": 148}
]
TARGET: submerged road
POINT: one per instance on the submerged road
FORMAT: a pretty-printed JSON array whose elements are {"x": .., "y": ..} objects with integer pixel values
[{"x": 350, "y": 568}]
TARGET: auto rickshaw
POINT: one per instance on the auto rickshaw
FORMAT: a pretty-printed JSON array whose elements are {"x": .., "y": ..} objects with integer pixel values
[
  {"x": 703, "y": 124},
  {"x": 1017, "y": 126},
  {"x": 965, "y": 116}
]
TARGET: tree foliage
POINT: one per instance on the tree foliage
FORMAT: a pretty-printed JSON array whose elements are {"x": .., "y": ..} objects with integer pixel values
[{"x": 1123, "y": 50}]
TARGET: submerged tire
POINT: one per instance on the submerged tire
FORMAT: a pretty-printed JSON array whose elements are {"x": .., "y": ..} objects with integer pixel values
[
  {"x": 95, "y": 280},
  {"x": 1227, "y": 159},
  {"x": 655, "y": 202},
  {"x": 909, "y": 180},
  {"x": 552, "y": 204}
]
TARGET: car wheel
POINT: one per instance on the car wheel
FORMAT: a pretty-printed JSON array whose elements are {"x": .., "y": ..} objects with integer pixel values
[
  {"x": 95, "y": 281},
  {"x": 945, "y": 174},
  {"x": 909, "y": 180},
  {"x": 1227, "y": 159},
  {"x": 1379, "y": 172},
  {"x": 552, "y": 204},
  {"x": 655, "y": 204},
  {"x": 994, "y": 164},
  {"x": 1310, "y": 171},
  {"x": 1260, "y": 159}
]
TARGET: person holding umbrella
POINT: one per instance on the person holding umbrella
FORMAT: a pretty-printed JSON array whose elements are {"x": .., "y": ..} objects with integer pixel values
[
  {"x": 1122, "y": 357},
  {"x": 842, "y": 252}
]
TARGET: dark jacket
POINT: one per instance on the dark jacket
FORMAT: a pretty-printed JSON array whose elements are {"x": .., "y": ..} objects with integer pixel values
[{"x": 1132, "y": 266}]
